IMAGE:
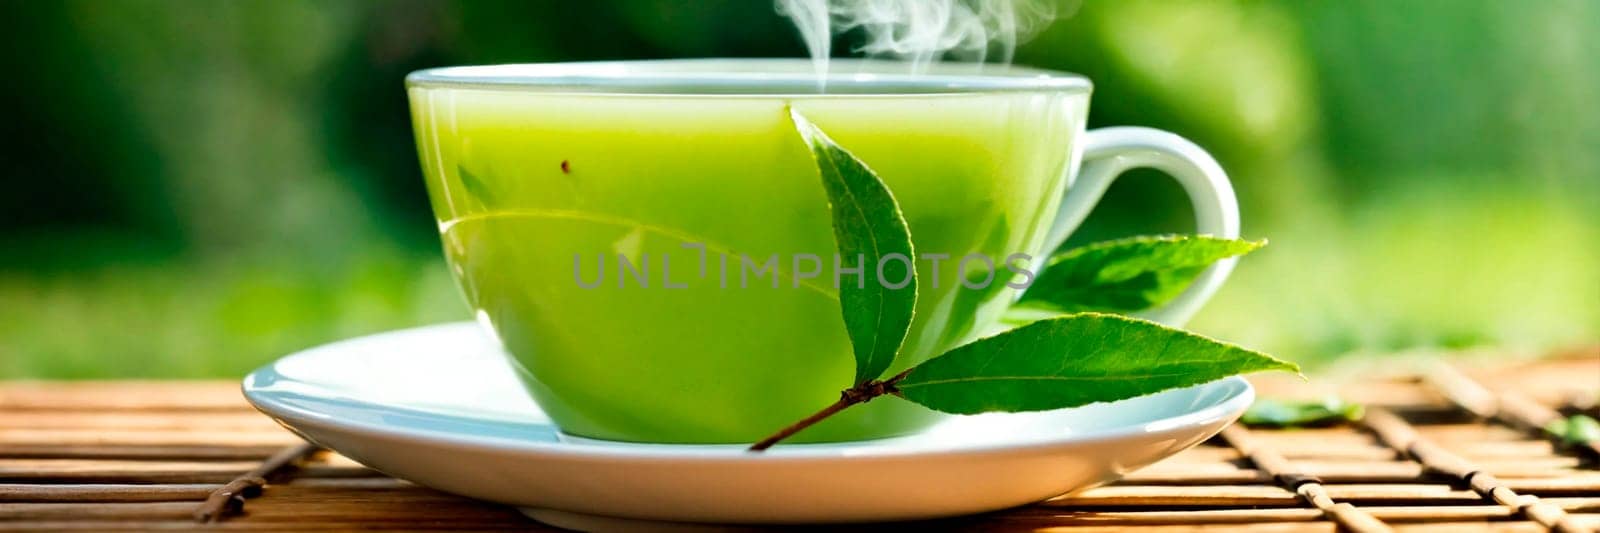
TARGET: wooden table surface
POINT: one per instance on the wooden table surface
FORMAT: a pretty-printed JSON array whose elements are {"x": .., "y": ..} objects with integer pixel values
[{"x": 1435, "y": 453}]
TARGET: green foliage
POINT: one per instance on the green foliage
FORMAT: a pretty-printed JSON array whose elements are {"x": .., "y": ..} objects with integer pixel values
[
  {"x": 1049, "y": 364},
  {"x": 1575, "y": 430},
  {"x": 867, "y": 226},
  {"x": 1075, "y": 360},
  {"x": 1128, "y": 275},
  {"x": 1287, "y": 414}
]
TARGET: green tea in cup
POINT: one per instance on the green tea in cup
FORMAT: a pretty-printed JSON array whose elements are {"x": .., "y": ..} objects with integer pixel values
[{"x": 652, "y": 245}]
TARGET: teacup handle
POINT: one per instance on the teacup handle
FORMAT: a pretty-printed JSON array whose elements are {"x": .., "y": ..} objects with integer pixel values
[{"x": 1108, "y": 152}]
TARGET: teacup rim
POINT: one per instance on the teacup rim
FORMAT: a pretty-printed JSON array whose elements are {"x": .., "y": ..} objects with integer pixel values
[{"x": 766, "y": 77}]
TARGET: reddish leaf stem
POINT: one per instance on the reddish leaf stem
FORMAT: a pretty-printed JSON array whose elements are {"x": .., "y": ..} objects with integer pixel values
[{"x": 861, "y": 393}]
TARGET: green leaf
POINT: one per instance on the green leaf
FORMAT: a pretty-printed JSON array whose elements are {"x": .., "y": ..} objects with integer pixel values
[
  {"x": 1287, "y": 414},
  {"x": 1127, "y": 275},
  {"x": 1575, "y": 430},
  {"x": 1074, "y": 360},
  {"x": 866, "y": 222}
]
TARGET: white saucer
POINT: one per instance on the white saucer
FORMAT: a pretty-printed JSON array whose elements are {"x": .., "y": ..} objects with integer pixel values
[{"x": 439, "y": 406}]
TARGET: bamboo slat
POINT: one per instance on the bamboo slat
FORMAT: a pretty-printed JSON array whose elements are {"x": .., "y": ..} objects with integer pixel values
[
  {"x": 1232, "y": 475},
  {"x": 149, "y": 420},
  {"x": 117, "y": 471},
  {"x": 1507, "y": 450},
  {"x": 516, "y": 523},
  {"x": 1397, "y": 433},
  {"x": 168, "y": 452},
  {"x": 146, "y": 437},
  {"x": 1511, "y": 407},
  {"x": 103, "y": 456},
  {"x": 93, "y": 396},
  {"x": 1307, "y": 487},
  {"x": 42, "y": 493},
  {"x": 1123, "y": 495}
]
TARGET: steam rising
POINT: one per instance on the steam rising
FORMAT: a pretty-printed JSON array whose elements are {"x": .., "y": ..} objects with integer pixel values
[{"x": 920, "y": 31}]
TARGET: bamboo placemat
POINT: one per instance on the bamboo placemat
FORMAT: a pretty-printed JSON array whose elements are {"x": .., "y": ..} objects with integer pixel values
[{"x": 1451, "y": 451}]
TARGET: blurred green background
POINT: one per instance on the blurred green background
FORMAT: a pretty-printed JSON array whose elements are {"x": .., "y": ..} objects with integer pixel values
[{"x": 194, "y": 188}]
